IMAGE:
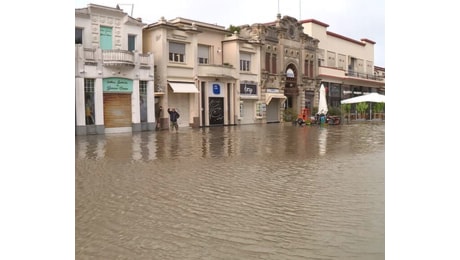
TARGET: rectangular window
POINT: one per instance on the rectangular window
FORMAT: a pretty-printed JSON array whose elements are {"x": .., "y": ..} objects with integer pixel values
[
  {"x": 267, "y": 61},
  {"x": 274, "y": 63},
  {"x": 143, "y": 100},
  {"x": 89, "y": 101},
  {"x": 334, "y": 90},
  {"x": 331, "y": 59},
  {"x": 248, "y": 89},
  {"x": 311, "y": 69},
  {"x": 143, "y": 87},
  {"x": 176, "y": 52},
  {"x": 131, "y": 42},
  {"x": 341, "y": 62},
  {"x": 203, "y": 54},
  {"x": 241, "y": 109},
  {"x": 78, "y": 36},
  {"x": 245, "y": 62},
  {"x": 305, "y": 68},
  {"x": 260, "y": 109}
]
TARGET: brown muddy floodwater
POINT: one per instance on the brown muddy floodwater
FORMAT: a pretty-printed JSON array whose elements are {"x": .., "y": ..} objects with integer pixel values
[{"x": 273, "y": 191}]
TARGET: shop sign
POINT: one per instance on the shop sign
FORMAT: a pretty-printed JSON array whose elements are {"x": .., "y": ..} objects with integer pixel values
[
  {"x": 117, "y": 85},
  {"x": 273, "y": 90},
  {"x": 216, "y": 89}
]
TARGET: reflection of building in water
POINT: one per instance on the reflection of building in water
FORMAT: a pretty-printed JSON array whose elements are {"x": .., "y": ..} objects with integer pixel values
[
  {"x": 100, "y": 148},
  {"x": 82, "y": 147},
  {"x": 137, "y": 150},
  {"x": 152, "y": 147},
  {"x": 322, "y": 140},
  {"x": 90, "y": 148},
  {"x": 144, "y": 147},
  {"x": 220, "y": 142}
]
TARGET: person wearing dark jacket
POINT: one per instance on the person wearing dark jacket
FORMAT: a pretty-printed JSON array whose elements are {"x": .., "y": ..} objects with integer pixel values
[{"x": 173, "y": 116}]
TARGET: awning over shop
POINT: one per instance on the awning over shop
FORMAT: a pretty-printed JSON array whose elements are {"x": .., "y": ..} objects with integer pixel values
[
  {"x": 270, "y": 96},
  {"x": 183, "y": 87}
]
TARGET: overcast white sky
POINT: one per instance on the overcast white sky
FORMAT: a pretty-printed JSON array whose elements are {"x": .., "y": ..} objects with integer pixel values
[{"x": 355, "y": 19}]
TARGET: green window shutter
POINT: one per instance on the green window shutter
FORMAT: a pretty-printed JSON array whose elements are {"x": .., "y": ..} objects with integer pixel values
[{"x": 106, "y": 38}]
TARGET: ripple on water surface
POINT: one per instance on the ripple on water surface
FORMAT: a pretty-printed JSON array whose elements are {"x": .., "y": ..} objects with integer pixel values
[{"x": 251, "y": 192}]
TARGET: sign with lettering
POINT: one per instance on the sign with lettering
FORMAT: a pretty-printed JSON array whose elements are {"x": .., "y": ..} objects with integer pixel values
[
  {"x": 117, "y": 85},
  {"x": 216, "y": 89}
]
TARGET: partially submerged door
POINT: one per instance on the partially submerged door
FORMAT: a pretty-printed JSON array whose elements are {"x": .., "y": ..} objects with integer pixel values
[{"x": 216, "y": 111}]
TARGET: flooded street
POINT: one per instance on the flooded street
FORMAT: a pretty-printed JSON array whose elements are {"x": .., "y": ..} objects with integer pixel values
[{"x": 272, "y": 191}]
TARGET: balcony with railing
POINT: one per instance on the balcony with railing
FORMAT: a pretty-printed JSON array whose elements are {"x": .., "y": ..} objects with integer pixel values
[
  {"x": 112, "y": 58},
  {"x": 118, "y": 58},
  {"x": 218, "y": 71},
  {"x": 349, "y": 74},
  {"x": 355, "y": 74}
]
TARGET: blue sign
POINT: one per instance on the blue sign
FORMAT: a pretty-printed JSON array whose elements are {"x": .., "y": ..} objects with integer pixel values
[{"x": 216, "y": 89}]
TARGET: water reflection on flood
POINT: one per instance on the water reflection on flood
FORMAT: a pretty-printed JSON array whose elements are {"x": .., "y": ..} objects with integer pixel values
[{"x": 271, "y": 191}]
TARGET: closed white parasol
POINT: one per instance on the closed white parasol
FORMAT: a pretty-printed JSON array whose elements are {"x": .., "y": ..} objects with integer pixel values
[{"x": 322, "y": 107}]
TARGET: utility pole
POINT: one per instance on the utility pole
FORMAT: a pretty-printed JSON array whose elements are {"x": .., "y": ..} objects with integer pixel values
[{"x": 132, "y": 7}]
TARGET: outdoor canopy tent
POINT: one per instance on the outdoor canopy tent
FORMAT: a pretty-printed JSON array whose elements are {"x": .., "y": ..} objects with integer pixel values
[{"x": 371, "y": 97}]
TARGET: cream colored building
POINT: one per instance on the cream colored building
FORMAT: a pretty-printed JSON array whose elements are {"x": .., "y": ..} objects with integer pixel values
[
  {"x": 113, "y": 78},
  {"x": 346, "y": 66},
  {"x": 216, "y": 77},
  {"x": 199, "y": 71},
  {"x": 210, "y": 75}
]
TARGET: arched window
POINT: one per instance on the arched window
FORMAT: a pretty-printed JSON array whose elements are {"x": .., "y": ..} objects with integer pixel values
[{"x": 290, "y": 73}]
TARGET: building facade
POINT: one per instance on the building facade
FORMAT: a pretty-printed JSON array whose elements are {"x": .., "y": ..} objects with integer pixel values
[
  {"x": 217, "y": 77},
  {"x": 125, "y": 70},
  {"x": 345, "y": 66},
  {"x": 190, "y": 73},
  {"x": 113, "y": 78},
  {"x": 288, "y": 75}
]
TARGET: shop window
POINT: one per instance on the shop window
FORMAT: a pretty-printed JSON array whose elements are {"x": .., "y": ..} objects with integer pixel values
[
  {"x": 89, "y": 102},
  {"x": 260, "y": 109},
  {"x": 143, "y": 100},
  {"x": 241, "y": 109}
]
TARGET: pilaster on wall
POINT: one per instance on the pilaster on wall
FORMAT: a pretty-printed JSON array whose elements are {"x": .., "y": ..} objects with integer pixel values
[
  {"x": 99, "y": 101},
  {"x": 80, "y": 101}
]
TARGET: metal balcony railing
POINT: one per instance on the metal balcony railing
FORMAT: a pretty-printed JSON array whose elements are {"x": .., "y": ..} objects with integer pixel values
[{"x": 362, "y": 75}]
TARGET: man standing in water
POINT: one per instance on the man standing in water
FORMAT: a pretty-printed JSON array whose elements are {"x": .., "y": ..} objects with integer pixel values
[{"x": 173, "y": 116}]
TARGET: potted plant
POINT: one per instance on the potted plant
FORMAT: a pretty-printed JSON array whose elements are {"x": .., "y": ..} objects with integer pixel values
[
  {"x": 378, "y": 108},
  {"x": 289, "y": 115},
  {"x": 347, "y": 108},
  {"x": 361, "y": 107}
]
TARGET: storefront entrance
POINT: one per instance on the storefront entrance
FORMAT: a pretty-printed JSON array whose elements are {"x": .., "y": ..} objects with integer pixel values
[
  {"x": 117, "y": 110},
  {"x": 216, "y": 111}
]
